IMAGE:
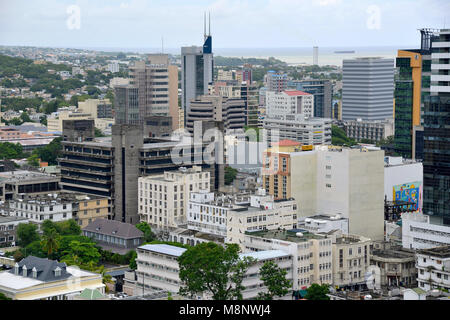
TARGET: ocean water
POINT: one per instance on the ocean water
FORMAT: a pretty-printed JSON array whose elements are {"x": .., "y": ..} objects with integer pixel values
[{"x": 292, "y": 56}]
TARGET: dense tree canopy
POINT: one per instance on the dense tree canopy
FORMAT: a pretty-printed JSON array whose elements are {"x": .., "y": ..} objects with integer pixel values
[
  {"x": 27, "y": 233},
  {"x": 274, "y": 279},
  {"x": 212, "y": 269},
  {"x": 317, "y": 292}
]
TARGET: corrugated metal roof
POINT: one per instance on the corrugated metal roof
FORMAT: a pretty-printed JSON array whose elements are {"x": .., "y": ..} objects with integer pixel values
[{"x": 164, "y": 249}]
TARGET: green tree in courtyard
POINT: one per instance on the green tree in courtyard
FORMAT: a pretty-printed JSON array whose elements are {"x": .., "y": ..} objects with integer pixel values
[
  {"x": 274, "y": 279},
  {"x": 211, "y": 268}
]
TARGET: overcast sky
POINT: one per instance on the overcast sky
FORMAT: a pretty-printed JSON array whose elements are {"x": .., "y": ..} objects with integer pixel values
[{"x": 235, "y": 23}]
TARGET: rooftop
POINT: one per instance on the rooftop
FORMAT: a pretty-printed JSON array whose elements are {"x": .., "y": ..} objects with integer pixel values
[
  {"x": 164, "y": 249},
  {"x": 265, "y": 255},
  {"x": 296, "y": 93},
  {"x": 288, "y": 235},
  {"x": 25, "y": 176},
  {"x": 114, "y": 228},
  {"x": 442, "y": 252},
  {"x": 7, "y": 219}
]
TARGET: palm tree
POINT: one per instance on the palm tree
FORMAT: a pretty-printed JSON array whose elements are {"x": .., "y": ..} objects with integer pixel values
[
  {"x": 50, "y": 242},
  {"x": 106, "y": 278}
]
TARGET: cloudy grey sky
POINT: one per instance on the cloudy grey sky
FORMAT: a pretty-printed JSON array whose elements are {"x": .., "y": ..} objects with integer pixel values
[{"x": 235, "y": 23}]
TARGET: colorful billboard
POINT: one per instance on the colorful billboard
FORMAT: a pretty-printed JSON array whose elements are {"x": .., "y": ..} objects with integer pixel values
[{"x": 409, "y": 192}]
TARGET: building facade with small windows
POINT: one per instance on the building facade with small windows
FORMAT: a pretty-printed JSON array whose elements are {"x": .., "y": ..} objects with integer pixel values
[
  {"x": 311, "y": 253},
  {"x": 59, "y": 207},
  {"x": 8, "y": 228},
  {"x": 115, "y": 236},
  {"x": 163, "y": 199},
  {"x": 396, "y": 265},
  {"x": 433, "y": 268},
  {"x": 41, "y": 207},
  {"x": 158, "y": 269},
  {"x": 351, "y": 258},
  {"x": 230, "y": 216}
]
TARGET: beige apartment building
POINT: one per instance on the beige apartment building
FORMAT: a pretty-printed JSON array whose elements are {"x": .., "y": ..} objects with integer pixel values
[
  {"x": 331, "y": 180},
  {"x": 90, "y": 208},
  {"x": 163, "y": 199},
  {"x": 56, "y": 124},
  {"x": 154, "y": 89},
  {"x": 311, "y": 253},
  {"x": 351, "y": 258}
]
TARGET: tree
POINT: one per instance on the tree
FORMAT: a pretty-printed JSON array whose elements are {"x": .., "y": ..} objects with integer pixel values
[
  {"x": 33, "y": 160},
  {"x": 145, "y": 228},
  {"x": 82, "y": 253},
  {"x": 50, "y": 242},
  {"x": 3, "y": 297},
  {"x": 317, "y": 292},
  {"x": 274, "y": 279},
  {"x": 133, "y": 264},
  {"x": 209, "y": 267},
  {"x": 50, "y": 152},
  {"x": 27, "y": 233},
  {"x": 98, "y": 132},
  {"x": 230, "y": 175}
]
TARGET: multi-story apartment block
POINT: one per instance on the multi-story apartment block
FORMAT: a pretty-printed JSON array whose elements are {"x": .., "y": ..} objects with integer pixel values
[
  {"x": 289, "y": 102},
  {"x": 98, "y": 108},
  {"x": 55, "y": 123},
  {"x": 351, "y": 258},
  {"x": 331, "y": 180},
  {"x": 374, "y": 130},
  {"x": 163, "y": 199},
  {"x": 311, "y": 131},
  {"x": 276, "y": 81},
  {"x": 158, "y": 269},
  {"x": 245, "y": 91},
  {"x": 322, "y": 92},
  {"x": 368, "y": 89},
  {"x": 231, "y": 216},
  {"x": 59, "y": 207},
  {"x": 8, "y": 228},
  {"x": 152, "y": 91},
  {"x": 433, "y": 267},
  {"x": 311, "y": 253}
]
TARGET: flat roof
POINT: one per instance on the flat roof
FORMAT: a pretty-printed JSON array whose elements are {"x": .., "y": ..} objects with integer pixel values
[
  {"x": 442, "y": 251},
  {"x": 25, "y": 176},
  {"x": 6, "y": 219},
  {"x": 289, "y": 235},
  {"x": 266, "y": 254},
  {"x": 164, "y": 249}
]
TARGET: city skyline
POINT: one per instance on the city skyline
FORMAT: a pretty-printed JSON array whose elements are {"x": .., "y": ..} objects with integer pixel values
[{"x": 292, "y": 23}]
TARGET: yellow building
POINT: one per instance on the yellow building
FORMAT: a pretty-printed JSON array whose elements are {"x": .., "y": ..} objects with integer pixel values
[
  {"x": 56, "y": 124},
  {"x": 88, "y": 208},
  {"x": 42, "y": 279}
]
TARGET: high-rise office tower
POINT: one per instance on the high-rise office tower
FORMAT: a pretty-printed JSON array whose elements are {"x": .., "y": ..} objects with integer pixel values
[
  {"x": 315, "y": 56},
  {"x": 152, "y": 91},
  {"x": 197, "y": 69},
  {"x": 368, "y": 89},
  {"x": 436, "y": 123},
  {"x": 412, "y": 83}
]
